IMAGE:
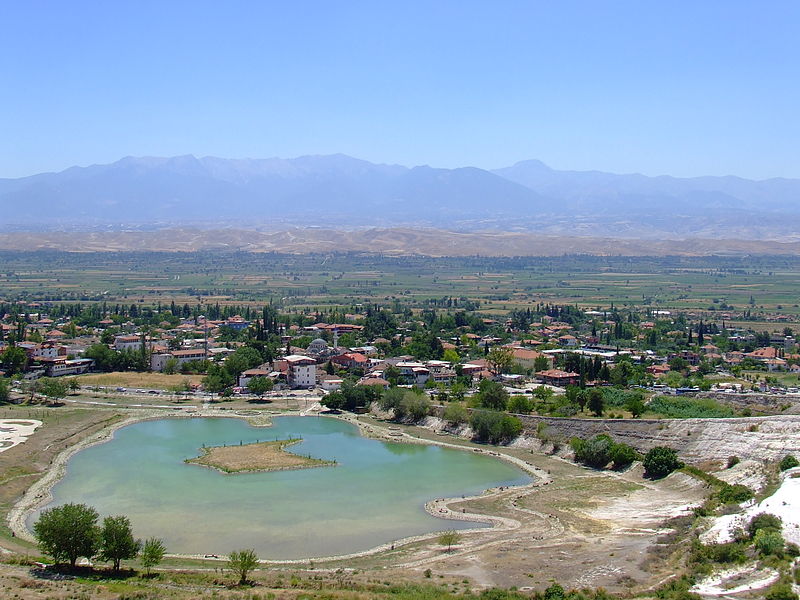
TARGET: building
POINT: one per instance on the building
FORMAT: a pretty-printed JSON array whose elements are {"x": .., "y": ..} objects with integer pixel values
[
  {"x": 158, "y": 361},
  {"x": 57, "y": 367},
  {"x": 301, "y": 371},
  {"x": 559, "y": 378}
]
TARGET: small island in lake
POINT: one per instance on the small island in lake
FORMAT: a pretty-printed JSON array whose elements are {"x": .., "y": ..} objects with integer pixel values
[{"x": 256, "y": 457}]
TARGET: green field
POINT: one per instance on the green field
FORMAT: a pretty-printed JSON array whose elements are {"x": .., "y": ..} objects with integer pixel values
[{"x": 769, "y": 287}]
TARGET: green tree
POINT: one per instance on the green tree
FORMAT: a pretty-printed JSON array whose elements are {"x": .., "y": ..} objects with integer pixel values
[
  {"x": 596, "y": 402},
  {"x": 519, "y": 404},
  {"x": 68, "y": 532},
  {"x": 52, "y": 388},
  {"x": 449, "y": 538},
  {"x": 455, "y": 414},
  {"x": 451, "y": 356},
  {"x": 243, "y": 359},
  {"x": 500, "y": 360},
  {"x": 5, "y": 390},
  {"x": 635, "y": 405},
  {"x": 242, "y": 562},
  {"x": 13, "y": 360},
  {"x": 153, "y": 551},
  {"x": 660, "y": 462},
  {"x": 492, "y": 395},
  {"x": 260, "y": 385},
  {"x": 541, "y": 363},
  {"x": 117, "y": 542},
  {"x": 622, "y": 455}
]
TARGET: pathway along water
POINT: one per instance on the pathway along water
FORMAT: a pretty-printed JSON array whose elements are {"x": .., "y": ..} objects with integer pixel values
[{"x": 375, "y": 494}]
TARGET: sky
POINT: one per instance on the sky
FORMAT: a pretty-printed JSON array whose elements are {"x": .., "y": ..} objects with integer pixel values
[{"x": 685, "y": 88}]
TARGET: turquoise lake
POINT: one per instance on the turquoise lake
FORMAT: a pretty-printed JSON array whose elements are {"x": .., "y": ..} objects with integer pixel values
[{"x": 375, "y": 494}]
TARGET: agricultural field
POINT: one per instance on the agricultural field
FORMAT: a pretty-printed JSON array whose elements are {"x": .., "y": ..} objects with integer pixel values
[{"x": 767, "y": 287}]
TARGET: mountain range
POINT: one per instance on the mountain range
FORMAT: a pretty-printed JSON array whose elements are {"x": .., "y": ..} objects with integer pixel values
[{"x": 341, "y": 191}]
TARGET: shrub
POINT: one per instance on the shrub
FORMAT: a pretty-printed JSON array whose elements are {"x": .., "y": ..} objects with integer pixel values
[
  {"x": 768, "y": 542},
  {"x": 660, "y": 462},
  {"x": 519, "y": 404},
  {"x": 734, "y": 494},
  {"x": 623, "y": 455},
  {"x": 494, "y": 427},
  {"x": 781, "y": 591},
  {"x": 788, "y": 462},
  {"x": 594, "y": 452},
  {"x": 764, "y": 521},
  {"x": 455, "y": 414},
  {"x": 682, "y": 407}
]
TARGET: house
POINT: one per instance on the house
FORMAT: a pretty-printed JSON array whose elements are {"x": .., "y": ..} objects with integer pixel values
[
  {"x": 559, "y": 378},
  {"x": 374, "y": 381},
  {"x": 246, "y": 376},
  {"x": 570, "y": 341},
  {"x": 413, "y": 373},
  {"x": 350, "y": 360},
  {"x": 330, "y": 383}
]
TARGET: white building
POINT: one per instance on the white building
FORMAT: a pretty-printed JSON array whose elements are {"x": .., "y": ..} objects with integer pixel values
[{"x": 301, "y": 371}]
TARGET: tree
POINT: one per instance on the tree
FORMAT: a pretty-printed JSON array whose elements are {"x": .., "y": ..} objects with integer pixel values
[
  {"x": 5, "y": 390},
  {"x": 153, "y": 551},
  {"x": 781, "y": 591},
  {"x": 259, "y": 385},
  {"x": 492, "y": 395},
  {"x": 541, "y": 363},
  {"x": 449, "y": 538},
  {"x": 660, "y": 462},
  {"x": 13, "y": 360},
  {"x": 596, "y": 402},
  {"x": 116, "y": 541},
  {"x": 500, "y": 360},
  {"x": 519, "y": 404},
  {"x": 67, "y": 532},
  {"x": 52, "y": 388},
  {"x": 242, "y": 562},
  {"x": 451, "y": 356},
  {"x": 244, "y": 358},
  {"x": 635, "y": 405}
]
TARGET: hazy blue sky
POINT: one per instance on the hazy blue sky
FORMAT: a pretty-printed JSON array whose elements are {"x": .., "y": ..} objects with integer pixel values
[{"x": 683, "y": 88}]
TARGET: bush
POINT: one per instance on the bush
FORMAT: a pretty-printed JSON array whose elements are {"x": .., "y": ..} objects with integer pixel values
[
  {"x": 519, "y": 404},
  {"x": 788, "y": 462},
  {"x": 764, "y": 521},
  {"x": 455, "y": 414},
  {"x": 682, "y": 407},
  {"x": 734, "y": 494},
  {"x": 781, "y": 591},
  {"x": 594, "y": 452},
  {"x": 623, "y": 455},
  {"x": 768, "y": 542},
  {"x": 660, "y": 462},
  {"x": 494, "y": 427}
]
